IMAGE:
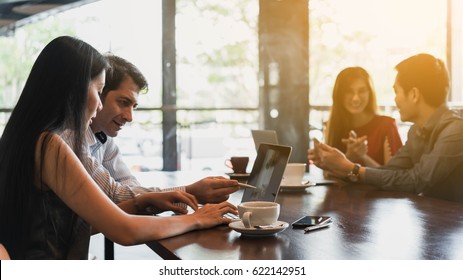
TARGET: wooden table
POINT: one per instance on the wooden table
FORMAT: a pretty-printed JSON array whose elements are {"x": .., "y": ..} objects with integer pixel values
[{"x": 367, "y": 224}]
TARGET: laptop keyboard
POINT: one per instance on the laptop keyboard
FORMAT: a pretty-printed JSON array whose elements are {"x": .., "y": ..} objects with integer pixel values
[{"x": 232, "y": 217}]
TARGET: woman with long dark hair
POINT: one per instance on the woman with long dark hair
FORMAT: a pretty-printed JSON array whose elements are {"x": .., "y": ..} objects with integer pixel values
[
  {"x": 48, "y": 202},
  {"x": 354, "y": 127}
]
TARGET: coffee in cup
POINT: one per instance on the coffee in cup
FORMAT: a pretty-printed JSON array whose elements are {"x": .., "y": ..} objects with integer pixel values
[
  {"x": 258, "y": 213},
  {"x": 293, "y": 175},
  {"x": 238, "y": 164}
]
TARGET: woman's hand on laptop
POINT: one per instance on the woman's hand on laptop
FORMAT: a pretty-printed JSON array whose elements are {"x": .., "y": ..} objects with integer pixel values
[
  {"x": 213, "y": 189},
  {"x": 212, "y": 214},
  {"x": 157, "y": 202}
]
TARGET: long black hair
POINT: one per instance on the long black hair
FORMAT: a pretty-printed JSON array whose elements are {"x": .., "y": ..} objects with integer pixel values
[{"x": 54, "y": 99}]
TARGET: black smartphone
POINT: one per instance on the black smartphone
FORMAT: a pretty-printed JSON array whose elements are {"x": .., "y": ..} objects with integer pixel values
[{"x": 308, "y": 221}]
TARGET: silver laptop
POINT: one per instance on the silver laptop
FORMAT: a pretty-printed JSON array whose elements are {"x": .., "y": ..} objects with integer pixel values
[
  {"x": 267, "y": 172},
  {"x": 264, "y": 136}
]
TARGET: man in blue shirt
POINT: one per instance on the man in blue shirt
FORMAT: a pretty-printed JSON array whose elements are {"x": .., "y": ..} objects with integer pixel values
[{"x": 431, "y": 161}]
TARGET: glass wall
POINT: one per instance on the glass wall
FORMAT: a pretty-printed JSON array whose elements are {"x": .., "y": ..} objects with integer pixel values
[
  {"x": 373, "y": 34},
  {"x": 131, "y": 31},
  {"x": 456, "y": 43},
  {"x": 217, "y": 69},
  {"x": 217, "y": 63}
]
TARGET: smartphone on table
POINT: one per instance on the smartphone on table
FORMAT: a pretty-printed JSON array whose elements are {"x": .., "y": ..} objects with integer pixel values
[{"x": 308, "y": 221}]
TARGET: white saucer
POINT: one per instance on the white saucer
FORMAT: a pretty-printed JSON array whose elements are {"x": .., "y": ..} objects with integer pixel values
[
  {"x": 299, "y": 187},
  {"x": 239, "y": 227},
  {"x": 238, "y": 175}
]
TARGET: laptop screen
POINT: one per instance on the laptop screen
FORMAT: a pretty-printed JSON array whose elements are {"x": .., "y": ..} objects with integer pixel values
[
  {"x": 264, "y": 136},
  {"x": 267, "y": 172}
]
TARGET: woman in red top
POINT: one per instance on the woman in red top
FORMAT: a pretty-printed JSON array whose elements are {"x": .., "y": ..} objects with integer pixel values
[{"x": 354, "y": 126}]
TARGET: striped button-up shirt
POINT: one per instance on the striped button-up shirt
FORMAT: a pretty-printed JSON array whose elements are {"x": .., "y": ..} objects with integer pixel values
[{"x": 104, "y": 163}]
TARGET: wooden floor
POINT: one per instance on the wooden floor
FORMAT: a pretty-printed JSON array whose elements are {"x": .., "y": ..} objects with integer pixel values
[{"x": 139, "y": 252}]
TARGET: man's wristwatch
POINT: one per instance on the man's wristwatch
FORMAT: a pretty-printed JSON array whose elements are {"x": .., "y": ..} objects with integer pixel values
[{"x": 353, "y": 175}]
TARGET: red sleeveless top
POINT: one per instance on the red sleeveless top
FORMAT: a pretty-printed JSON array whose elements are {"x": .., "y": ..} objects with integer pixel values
[{"x": 377, "y": 131}]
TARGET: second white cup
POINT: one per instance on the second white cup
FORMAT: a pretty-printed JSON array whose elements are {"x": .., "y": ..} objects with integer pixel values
[{"x": 293, "y": 175}]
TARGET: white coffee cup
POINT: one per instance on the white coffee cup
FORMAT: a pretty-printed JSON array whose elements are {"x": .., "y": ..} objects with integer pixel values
[
  {"x": 293, "y": 175},
  {"x": 258, "y": 213}
]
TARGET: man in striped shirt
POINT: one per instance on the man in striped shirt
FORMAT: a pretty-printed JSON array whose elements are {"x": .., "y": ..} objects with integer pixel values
[{"x": 104, "y": 162}]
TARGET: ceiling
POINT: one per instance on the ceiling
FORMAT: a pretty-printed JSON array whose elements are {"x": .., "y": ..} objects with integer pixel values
[{"x": 14, "y": 13}]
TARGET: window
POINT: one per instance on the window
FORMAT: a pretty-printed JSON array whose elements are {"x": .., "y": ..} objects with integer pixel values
[
  {"x": 456, "y": 42},
  {"x": 132, "y": 31},
  {"x": 217, "y": 63},
  {"x": 217, "y": 89},
  {"x": 375, "y": 35},
  {"x": 217, "y": 69}
]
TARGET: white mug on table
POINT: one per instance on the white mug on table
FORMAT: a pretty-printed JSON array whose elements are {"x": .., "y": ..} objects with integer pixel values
[
  {"x": 293, "y": 175},
  {"x": 258, "y": 213}
]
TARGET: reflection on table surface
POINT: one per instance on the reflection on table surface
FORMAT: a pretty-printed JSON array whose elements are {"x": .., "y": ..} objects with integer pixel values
[{"x": 367, "y": 224}]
